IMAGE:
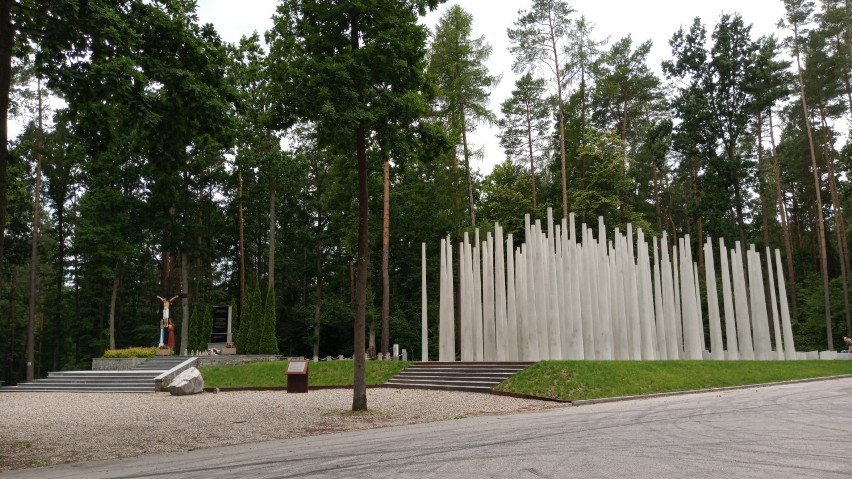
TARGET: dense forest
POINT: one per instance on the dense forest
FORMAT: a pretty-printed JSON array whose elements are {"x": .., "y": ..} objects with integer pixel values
[{"x": 295, "y": 174}]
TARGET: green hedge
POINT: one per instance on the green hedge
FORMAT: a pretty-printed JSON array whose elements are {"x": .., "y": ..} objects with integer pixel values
[{"x": 130, "y": 353}]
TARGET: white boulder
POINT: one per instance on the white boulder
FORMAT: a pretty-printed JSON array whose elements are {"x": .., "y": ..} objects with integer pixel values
[{"x": 187, "y": 382}]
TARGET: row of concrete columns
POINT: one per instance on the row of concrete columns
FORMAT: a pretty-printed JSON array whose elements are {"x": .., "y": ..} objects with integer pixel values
[{"x": 564, "y": 294}]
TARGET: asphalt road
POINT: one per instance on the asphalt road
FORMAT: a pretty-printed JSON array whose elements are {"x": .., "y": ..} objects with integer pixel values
[{"x": 790, "y": 431}]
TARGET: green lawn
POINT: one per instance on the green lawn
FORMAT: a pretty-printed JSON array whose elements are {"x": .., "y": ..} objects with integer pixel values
[
  {"x": 267, "y": 374},
  {"x": 574, "y": 380}
]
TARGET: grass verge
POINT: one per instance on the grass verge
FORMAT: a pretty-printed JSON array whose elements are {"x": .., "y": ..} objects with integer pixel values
[
  {"x": 576, "y": 380},
  {"x": 270, "y": 374}
]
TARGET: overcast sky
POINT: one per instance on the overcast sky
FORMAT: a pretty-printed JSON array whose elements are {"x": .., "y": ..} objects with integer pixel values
[{"x": 654, "y": 20}]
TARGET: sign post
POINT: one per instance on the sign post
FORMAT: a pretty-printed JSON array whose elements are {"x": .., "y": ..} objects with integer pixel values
[{"x": 297, "y": 377}]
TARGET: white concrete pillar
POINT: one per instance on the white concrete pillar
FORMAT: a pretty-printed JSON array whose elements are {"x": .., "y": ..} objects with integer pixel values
[
  {"x": 717, "y": 348},
  {"x": 511, "y": 303},
  {"x": 760, "y": 318},
  {"x": 776, "y": 323},
  {"x": 649, "y": 330},
  {"x": 489, "y": 333},
  {"x": 741, "y": 304},
  {"x": 478, "y": 345},
  {"x": 733, "y": 350},
  {"x": 673, "y": 352},
  {"x": 541, "y": 288},
  {"x": 466, "y": 300},
  {"x": 446, "y": 346},
  {"x": 587, "y": 279},
  {"x": 500, "y": 296},
  {"x": 522, "y": 306},
  {"x": 678, "y": 310},
  {"x": 533, "y": 308},
  {"x": 634, "y": 329},
  {"x": 691, "y": 342},
  {"x": 554, "y": 326},
  {"x": 659, "y": 309},
  {"x": 619, "y": 265},
  {"x": 424, "y": 331},
  {"x": 563, "y": 292},
  {"x": 573, "y": 266},
  {"x": 603, "y": 335},
  {"x": 699, "y": 312},
  {"x": 789, "y": 346}
]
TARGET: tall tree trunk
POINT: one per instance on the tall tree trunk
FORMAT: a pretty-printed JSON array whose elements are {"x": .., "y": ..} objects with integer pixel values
[
  {"x": 10, "y": 352},
  {"x": 359, "y": 398},
  {"x": 58, "y": 326},
  {"x": 386, "y": 256},
  {"x": 624, "y": 123},
  {"x": 318, "y": 305},
  {"x": 242, "y": 244},
  {"x": 849, "y": 44},
  {"x": 470, "y": 204},
  {"x": 657, "y": 206},
  {"x": 359, "y": 389},
  {"x": 823, "y": 254},
  {"x": 561, "y": 107},
  {"x": 738, "y": 204},
  {"x": 760, "y": 181},
  {"x": 839, "y": 227},
  {"x": 35, "y": 235},
  {"x": 167, "y": 267},
  {"x": 113, "y": 299},
  {"x": 6, "y": 36},
  {"x": 782, "y": 212},
  {"x": 764, "y": 214},
  {"x": 532, "y": 159},
  {"x": 272, "y": 228},
  {"x": 184, "y": 305}
]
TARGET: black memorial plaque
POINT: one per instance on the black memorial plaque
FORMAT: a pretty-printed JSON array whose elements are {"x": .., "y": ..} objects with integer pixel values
[{"x": 220, "y": 324}]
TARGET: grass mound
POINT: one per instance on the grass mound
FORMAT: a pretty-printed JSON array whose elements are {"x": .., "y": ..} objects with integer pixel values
[
  {"x": 271, "y": 374},
  {"x": 575, "y": 380}
]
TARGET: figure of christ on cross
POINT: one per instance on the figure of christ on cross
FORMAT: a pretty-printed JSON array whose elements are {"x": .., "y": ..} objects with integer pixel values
[{"x": 167, "y": 327}]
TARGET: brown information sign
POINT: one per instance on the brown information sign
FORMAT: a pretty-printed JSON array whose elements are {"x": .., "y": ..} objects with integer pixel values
[{"x": 297, "y": 377}]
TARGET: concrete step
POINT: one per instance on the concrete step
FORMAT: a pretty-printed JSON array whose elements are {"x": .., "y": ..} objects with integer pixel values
[
  {"x": 438, "y": 372},
  {"x": 139, "y": 379},
  {"x": 114, "y": 389},
  {"x": 441, "y": 387},
  {"x": 132, "y": 374},
  {"x": 457, "y": 376}
]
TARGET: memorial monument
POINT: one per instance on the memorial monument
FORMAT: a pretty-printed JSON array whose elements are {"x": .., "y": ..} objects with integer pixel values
[{"x": 566, "y": 294}]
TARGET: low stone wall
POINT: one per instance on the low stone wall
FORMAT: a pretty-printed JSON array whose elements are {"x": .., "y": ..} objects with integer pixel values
[
  {"x": 225, "y": 360},
  {"x": 116, "y": 364}
]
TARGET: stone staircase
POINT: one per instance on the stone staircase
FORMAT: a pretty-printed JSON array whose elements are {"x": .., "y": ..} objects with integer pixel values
[
  {"x": 139, "y": 379},
  {"x": 455, "y": 376}
]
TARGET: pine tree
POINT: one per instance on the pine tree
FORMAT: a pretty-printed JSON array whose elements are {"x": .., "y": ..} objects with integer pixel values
[
  {"x": 241, "y": 336},
  {"x": 192, "y": 343},
  {"x": 208, "y": 326},
  {"x": 268, "y": 340},
  {"x": 255, "y": 323}
]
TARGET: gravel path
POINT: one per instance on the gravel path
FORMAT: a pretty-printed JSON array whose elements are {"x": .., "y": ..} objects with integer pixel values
[{"x": 39, "y": 429}]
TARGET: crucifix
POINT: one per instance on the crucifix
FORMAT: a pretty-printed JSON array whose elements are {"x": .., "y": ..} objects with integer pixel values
[{"x": 167, "y": 327}]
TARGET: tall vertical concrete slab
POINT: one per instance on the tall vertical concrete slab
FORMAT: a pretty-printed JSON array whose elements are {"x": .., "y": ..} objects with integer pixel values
[
  {"x": 424, "y": 330},
  {"x": 732, "y": 347},
  {"x": 717, "y": 348},
  {"x": 776, "y": 322},
  {"x": 789, "y": 346}
]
